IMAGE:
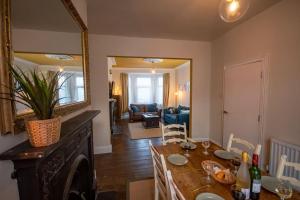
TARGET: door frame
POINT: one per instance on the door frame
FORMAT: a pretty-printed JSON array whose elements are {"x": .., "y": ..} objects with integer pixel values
[{"x": 263, "y": 100}]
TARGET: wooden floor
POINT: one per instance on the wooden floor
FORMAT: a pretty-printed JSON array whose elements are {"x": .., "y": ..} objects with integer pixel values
[{"x": 129, "y": 160}]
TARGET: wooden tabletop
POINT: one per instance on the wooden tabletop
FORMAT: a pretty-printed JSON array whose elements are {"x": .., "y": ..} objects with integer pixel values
[{"x": 189, "y": 178}]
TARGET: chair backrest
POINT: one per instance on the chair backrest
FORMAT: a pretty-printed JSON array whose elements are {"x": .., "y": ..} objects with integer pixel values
[
  {"x": 160, "y": 170},
  {"x": 174, "y": 133},
  {"x": 256, "y": 149},
  {"x": 280, "y": 170},
  {"x": 175, "y": 193}
]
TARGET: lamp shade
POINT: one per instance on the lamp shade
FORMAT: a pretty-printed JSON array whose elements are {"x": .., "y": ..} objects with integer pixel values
[{"x": 233, "y": 10}]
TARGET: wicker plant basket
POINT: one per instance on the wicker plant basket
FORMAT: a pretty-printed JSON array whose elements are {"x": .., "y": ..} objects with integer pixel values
[{"x": 43, "y": 132}]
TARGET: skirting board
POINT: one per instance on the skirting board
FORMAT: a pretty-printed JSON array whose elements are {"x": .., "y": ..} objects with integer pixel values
[{"x": 102, "y": 149}]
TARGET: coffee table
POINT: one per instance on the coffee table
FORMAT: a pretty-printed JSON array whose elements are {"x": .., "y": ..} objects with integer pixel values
[{"x": 150, "y": 120}]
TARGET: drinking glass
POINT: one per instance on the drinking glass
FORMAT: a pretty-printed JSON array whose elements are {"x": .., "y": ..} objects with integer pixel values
[
  {"x": 236, "y": 162},
  {"x": 208, "y": 168},
  {"x": 187, "y": 146},
  {"x": 206, "y": 145},
  {"x": 236, "y": 192},
  {"x": 284, "y": 190}
]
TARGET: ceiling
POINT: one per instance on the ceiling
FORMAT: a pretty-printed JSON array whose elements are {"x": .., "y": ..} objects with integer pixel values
[
  {"x": 42, "y": 15},
  {"x": 41, "y": 59},
  {"x": 130, "y": 62},
  {"x": 172, "y": 19}
]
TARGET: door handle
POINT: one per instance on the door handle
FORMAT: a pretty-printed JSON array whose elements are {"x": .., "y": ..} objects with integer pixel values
[{"x": 225, "y": 112}]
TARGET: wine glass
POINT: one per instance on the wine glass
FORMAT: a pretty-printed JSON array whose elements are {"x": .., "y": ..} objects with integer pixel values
[
  {"x": 208, "y": 168},
  {"x": 236, "y": 192},
  {"x": 187, "y": 146},
  {"x": 236, "y": 162},
  {"x": 284, "y": 190},
  {"x": 206, "y": 145}
]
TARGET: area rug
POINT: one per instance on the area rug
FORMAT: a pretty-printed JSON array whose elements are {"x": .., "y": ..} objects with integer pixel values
[
  {"x": 141, "y": 190},
  {"x": 137, "y": 131}
]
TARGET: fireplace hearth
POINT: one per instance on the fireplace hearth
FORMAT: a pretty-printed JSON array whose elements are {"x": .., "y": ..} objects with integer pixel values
[{"x": 62, "y": 171}]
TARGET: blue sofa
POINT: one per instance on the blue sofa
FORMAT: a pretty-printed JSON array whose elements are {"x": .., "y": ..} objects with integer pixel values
[{"x": 178, "y": 115}]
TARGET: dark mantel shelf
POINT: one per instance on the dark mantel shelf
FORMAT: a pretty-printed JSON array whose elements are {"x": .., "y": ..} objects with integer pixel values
[{"x": 25, "y": 151}]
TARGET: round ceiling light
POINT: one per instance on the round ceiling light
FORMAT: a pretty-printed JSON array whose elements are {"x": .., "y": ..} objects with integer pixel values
[
  {"x": 233, "y": 10},
  {"x": 59, "y": 56},
  {"x": 153, "y": 60}
]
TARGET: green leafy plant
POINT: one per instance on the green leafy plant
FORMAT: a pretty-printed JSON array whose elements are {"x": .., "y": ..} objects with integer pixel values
[{"x": 36, "y": 91}]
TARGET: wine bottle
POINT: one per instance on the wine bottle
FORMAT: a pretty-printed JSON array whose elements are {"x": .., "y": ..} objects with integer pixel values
[
  {"x": 255, "y": 176},
  {"x": 243, "y": 177}
]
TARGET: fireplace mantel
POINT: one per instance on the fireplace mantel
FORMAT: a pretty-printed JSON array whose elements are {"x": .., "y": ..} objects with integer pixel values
[{"x": 46, "y": 173}]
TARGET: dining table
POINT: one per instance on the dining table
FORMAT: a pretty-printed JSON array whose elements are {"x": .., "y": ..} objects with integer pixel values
[{"x": 189, "y": 177}]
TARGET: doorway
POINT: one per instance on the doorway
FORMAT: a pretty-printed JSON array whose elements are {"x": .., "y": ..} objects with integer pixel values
[
  {"x": 138, "y": 83},
  {"x": 244, "y": 101}
]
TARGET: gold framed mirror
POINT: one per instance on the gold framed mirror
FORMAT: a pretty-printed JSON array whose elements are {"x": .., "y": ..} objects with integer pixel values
[{"x": 49, "y": 36}]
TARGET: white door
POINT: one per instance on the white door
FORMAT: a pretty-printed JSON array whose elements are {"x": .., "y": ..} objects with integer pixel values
[{"x": 242, "y": 97}]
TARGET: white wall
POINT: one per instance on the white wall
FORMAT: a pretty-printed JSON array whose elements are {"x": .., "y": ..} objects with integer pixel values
[
  {"x": 182, "y": 74},
  {"x": 30, "y": 40},
  {"x": 276, "y": 32},
  {"x": 102, "y": 46},
  {"x": 117, "y": 71}
]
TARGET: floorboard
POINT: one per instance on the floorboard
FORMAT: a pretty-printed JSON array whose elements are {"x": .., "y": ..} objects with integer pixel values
[{"x": 130, "y": 160}]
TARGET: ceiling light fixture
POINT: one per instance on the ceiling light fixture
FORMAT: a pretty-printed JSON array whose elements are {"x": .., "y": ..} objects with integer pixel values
[
  {"x": 153, "y": 71},
  {"x": 59, "y": 57},
  {"x": 233, "y": 10},
  {"x": 153, "y": 60}
]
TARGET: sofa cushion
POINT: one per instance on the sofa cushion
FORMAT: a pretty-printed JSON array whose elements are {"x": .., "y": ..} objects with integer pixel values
[
  {"x": 180, "y": 107},
  {"x": 138, "y": 113},
  {"x": 171, "y": 118},
  {"x": 172, "y": 110},
  {"x": 151, "y": 107},
  {"x": 184, "y": 112},
  {"x": 135, "y": 108}
]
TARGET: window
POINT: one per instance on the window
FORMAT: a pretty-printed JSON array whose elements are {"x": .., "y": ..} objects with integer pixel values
[
  {"x": 145, "y": 88},
  {"x": 72, "y": 89},
  {"x": 159, "y": 94},
  {"x": 80, "y": 88}
]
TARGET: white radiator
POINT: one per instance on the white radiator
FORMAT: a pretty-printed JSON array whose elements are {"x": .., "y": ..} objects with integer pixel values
[{"x": 279, "y": 148}]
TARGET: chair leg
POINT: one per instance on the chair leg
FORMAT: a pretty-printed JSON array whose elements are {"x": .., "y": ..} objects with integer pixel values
[{"x": 156, "y": 193}]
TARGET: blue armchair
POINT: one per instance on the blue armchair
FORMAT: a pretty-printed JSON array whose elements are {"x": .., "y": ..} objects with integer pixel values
[{"x": 178, "y": 115}]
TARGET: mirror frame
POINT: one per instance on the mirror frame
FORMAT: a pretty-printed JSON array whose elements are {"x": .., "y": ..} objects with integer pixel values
[{"x": 9, "y": 121}]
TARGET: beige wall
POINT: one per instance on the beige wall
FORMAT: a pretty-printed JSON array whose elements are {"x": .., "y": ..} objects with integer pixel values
[
  {"x": 102, "y": 46},
  {"x": 30, "y": 40},
  {"x": 81, "y": 7},
  {"x": 275, "y": 32},
  {"x": 117, "y": 71},
  {"x": 8, "y": 186},
  {"x": 182, "y": 76}
]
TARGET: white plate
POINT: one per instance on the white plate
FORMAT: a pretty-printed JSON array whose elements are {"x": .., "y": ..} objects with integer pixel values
[
  {"x": 269, "y": 183},
  {"x": 208, "y": 196},
  {"x": 224, "y": 154},
  {"x": 191, "y": 145},
  {"x": 177, "y": 159}
]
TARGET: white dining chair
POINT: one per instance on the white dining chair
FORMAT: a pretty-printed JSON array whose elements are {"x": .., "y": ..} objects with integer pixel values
[
  {"x": 175, "y": 193},
  {"x": 174, "y": 133},
  {"x": 161, "y": 189},
  {"x": 280, "y": 170},
  {"x": 255, "y": 149}
]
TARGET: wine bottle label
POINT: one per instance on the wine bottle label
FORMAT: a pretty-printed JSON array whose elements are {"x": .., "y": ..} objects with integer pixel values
[
  {"x": 246, "y": 192},
  {"x": 256, "y": 186}
]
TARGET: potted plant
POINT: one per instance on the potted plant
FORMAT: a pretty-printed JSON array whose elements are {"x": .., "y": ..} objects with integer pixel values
[{"x": 39, "y": 93}]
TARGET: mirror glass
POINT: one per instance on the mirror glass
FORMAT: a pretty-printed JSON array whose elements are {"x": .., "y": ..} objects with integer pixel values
[{"x": 46, "y": 38}]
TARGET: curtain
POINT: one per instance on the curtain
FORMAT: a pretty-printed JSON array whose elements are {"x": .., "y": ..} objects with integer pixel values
[
  {"x": 124, "y": 91},
  {"x": 166, "y": 89},
  {"x": 145, "y": 88}
]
